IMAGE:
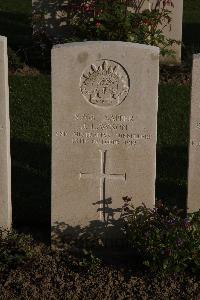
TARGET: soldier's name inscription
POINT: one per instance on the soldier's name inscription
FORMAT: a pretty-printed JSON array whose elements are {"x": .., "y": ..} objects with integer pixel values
[{"x": 110, "y": 130}]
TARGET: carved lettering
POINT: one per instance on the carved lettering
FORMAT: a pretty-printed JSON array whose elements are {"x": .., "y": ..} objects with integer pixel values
[{"x": 113, "y": 129}]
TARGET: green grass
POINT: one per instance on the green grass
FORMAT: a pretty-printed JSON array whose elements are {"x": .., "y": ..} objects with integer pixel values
[
  {"x": 173, "y": 117},
  {"x": 20, "y": 6},
  {"x": 31, "y": 129},
  {"x": 15, "y": 23},
  {"x": 31, "y": 108},
  {"x": 30, "y": 105},
  {"x": 30, "y": 113},
  {"x": 191, "y": 28},
  {"x": 173, "y": 141},
  {"x": 15, "y": 18},
  {"x": 191, "y": 12}
]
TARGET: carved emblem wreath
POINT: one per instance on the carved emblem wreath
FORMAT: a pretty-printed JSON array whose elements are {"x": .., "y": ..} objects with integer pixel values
[{"x": 105, "y": 83}]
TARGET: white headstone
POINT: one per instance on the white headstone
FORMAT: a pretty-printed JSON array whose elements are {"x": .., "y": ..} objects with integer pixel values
[
  {"x": 172, "y": 30},
  {"x": 105, "y": 97},
  {"x": 5, "y": 164},
  {"x": 194, "y": 148}
]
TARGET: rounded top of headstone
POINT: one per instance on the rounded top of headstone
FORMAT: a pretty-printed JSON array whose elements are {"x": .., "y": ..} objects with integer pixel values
[
  {"x": 196, "y": 56},
  {"x": 109, "y": 43},
  {"x": 3, "y": 38}
]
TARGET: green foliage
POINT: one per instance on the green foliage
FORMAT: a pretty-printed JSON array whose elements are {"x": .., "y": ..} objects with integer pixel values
[
  {"x": 123, "y": 20},
  {"x": 23, "y": 7},
  {"x": 113, "y": 20},
  {"x": 165, "y": 240},
  {"x": 191, "y": 12},
  {"x": 14, "y": 60},
  {"x": 15, "y": 249},
  {"x": 90, "y": 262},
  {"x": 30, "y": 107},
  {"x": 117, "y": 21}
]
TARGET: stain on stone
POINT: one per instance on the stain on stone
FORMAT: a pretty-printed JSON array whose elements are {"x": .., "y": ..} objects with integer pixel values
[
  {"x": 154, "y": 56},
  {"x": 82, "y": 57},
  {"x": 99, "y": 55}
]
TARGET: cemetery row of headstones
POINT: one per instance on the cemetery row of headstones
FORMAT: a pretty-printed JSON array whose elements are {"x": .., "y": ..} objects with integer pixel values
[{"x": 104, "y": 130}]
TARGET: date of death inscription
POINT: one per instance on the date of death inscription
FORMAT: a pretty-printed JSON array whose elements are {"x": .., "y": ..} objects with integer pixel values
[{"x": 111, "y": 129}]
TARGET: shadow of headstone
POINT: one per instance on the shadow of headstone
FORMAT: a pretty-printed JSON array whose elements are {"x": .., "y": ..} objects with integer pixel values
[{"x": 31, "y": 188}]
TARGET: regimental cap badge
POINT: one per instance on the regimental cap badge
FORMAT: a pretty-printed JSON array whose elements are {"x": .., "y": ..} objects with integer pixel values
[{"x": 105, "y": 83}]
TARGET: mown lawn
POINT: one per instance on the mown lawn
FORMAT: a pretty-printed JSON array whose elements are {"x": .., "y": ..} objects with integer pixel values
[
  {"x": 172, "y": 147},
  {"x": 15, "y": 23},
  {"x": 191, "y": 11},
  {"x": 31, "y": 126},
  {"x": 30, "y": 113},
  {"x": 191, "y": 28},
  {"x": 19, "y": 6},
  {"x": 30, "y": 103}
]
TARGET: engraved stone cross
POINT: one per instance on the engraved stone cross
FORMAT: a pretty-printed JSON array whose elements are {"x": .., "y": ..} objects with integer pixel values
[{"x": 102, "y": 177}]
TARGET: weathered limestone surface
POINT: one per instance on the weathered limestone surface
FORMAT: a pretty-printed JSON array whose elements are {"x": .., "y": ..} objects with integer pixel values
[
  {"x": 174, "y": 31},
  {"x": 105, "y": 97},
  {"x": 194, "y": 148},
  {"x": 5, "y": 164}
]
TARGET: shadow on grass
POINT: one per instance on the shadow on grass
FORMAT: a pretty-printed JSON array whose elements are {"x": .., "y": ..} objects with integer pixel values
[
  {"x": 191, "y": 33},
  {"x": 109, "y": 243},
  {"x": 31, "y": 188},
  {"x": 17, "y": 27},
  {"x": 172, "y": 164},
  {"x": 191, "y": 40},
  {"x": 31, "y": 184}
]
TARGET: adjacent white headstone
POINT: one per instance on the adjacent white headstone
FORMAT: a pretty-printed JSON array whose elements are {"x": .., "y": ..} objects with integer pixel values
[
  {"x": 105, "y": 97},
  {"x": 172, "y": 30},
  {"x": 5, "y": 164},
  {"x": 194, "y": 148}
]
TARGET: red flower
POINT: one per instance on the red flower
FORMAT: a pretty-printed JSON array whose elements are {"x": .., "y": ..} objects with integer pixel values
[{"x": 98, "y": 24}]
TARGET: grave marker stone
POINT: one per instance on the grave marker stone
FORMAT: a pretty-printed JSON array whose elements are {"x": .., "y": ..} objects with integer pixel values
[
  {"x": 5, "y": 164},
  {"x": 194, "y": 148},
  {"x": 173, "y": 30},
  {"x": 104, "y": 130}
]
